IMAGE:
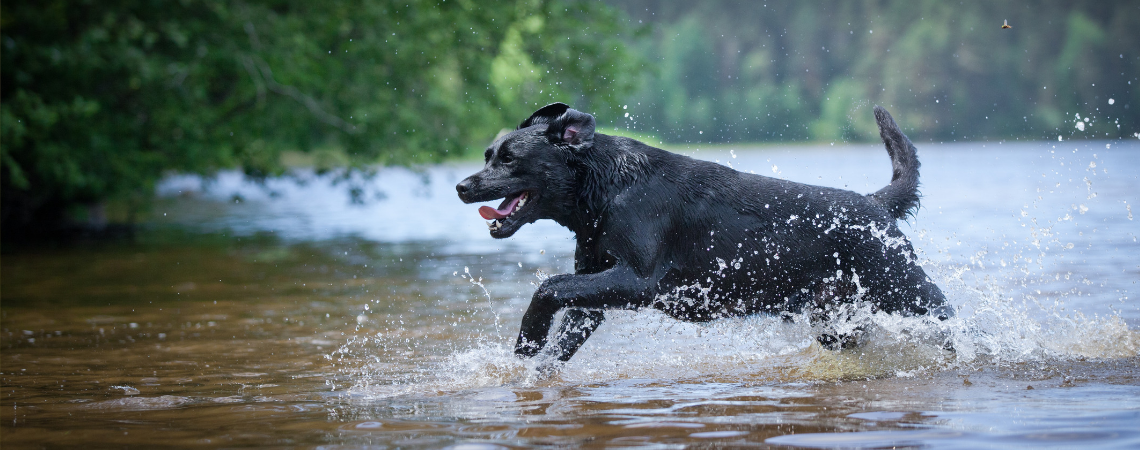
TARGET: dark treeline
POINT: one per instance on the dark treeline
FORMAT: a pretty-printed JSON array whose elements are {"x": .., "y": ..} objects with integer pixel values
[
  {"x": 740, "y": 70},
  {"x": 103, "y": 98}
]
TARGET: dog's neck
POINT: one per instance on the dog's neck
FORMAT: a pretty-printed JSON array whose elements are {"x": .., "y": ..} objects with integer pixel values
[{"x": 601, "y": 173}]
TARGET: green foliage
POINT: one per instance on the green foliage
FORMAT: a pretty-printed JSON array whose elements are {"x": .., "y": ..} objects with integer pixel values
[
  {"x": 101, "y": 98},
  {"x": 839, "y": 118},
  {"x": 733, "y": 70}
]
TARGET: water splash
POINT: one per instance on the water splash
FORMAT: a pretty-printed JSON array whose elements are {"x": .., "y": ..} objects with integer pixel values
[
  {"x": 490, "y": 303},
  {"x": 761, "y": 349},
  {"x": 995, "y": 325}
]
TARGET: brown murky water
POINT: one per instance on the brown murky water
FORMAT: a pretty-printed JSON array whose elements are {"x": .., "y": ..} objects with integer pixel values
[
  {"x": 293, "y": 335},
  {"x": 258, "y": 342}
]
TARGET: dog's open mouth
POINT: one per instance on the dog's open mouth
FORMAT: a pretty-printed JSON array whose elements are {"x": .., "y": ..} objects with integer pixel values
[{"x": 510, "y": 206}]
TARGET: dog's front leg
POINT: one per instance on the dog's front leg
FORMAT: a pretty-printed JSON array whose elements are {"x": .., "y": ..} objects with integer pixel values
[
  {"x": 577, "y": 326},
  {"x": 618, "y": 287}
]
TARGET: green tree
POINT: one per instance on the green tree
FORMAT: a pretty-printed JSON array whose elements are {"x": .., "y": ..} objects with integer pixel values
[
  {"x": 738, "y": 70},
  {"x": 102, "y": 98}
]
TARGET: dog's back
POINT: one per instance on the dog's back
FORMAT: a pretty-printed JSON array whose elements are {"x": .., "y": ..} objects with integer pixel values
[{"x": 740, "y": 243}]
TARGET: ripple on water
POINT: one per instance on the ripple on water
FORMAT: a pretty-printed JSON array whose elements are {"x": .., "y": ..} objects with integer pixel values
[
  {"x": 864, "y": 439},
  {"x": 718, "y": 434},
  {"x": 142, "y": 403}
]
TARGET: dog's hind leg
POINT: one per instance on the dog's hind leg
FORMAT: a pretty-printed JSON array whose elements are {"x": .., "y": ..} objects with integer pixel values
[
  {"x": 577, "y": 326},
  {"x": 831, "y": 307}
]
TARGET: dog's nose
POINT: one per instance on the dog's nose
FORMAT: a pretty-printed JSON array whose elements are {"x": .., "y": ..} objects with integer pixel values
[{"x": 463, "y": 187}]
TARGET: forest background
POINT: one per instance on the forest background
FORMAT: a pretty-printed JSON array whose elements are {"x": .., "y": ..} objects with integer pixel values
[{"x": 100, "y": 100}]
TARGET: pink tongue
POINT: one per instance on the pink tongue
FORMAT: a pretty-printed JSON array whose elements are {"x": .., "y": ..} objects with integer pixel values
[{"x": 491, "y": 213}]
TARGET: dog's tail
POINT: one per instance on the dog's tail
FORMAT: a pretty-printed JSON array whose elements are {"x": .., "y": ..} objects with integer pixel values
[{"x": 900, "y": 198}]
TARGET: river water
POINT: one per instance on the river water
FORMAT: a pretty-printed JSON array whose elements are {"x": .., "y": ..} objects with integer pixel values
[{"x": 288, "y": 315}]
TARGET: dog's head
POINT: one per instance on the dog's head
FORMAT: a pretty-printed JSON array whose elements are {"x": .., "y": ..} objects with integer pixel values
[{"x": 528, "y": 168}]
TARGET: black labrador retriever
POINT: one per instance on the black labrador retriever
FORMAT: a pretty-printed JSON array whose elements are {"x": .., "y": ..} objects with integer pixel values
[{"x": 695, "y": 239}]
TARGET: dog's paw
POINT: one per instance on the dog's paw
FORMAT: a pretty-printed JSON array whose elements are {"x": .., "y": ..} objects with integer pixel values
[
  {"x": 549, "y": 369},
  {"x": 838, "y": 341},
  {"x": 526, "y": 349}
]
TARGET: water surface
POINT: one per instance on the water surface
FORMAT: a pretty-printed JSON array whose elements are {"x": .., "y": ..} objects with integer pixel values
[{"x": 287, "y": 315}]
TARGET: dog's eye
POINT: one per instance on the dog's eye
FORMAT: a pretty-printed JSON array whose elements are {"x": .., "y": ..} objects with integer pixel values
[
  {"x": 505, "y": 157},
  {"x": 487, "y": 155}
]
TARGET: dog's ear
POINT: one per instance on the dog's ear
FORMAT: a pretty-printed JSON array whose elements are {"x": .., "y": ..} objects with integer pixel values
[
  {"x": 546, "y": 114},
  {"x": 573, "y": 127}
]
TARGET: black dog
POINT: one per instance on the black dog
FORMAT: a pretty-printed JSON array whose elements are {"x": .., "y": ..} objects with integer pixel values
[{"x": 695, "y": 239}]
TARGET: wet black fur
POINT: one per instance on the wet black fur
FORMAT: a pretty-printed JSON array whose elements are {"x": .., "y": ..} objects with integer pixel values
[{"x": 654, "y": 229}]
